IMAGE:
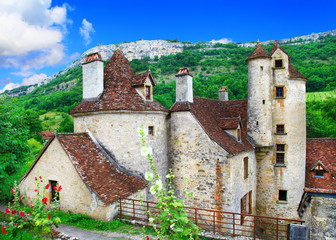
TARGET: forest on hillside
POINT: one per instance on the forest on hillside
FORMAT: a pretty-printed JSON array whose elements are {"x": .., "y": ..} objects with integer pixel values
[{"x": 213, "y": 66}]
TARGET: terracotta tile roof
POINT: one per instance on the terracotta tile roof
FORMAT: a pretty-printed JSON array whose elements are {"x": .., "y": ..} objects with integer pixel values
[
  {"x": 229, "y": 123},
  {"x": 141, "y": 78},
  {"x": 323, "y": 150},
  {"x": 276, "y": 45},
  {"x": 223, "y": 89},
  {"x": 259, "y": 52},
  {"x": 46, "y": 135},
  {"x": 95, "y": 169},
  {"x": 211, "y": 112},
  {"x": 183, "y": 71},
  {"x": 118, "y": 91},
  {"x": 293, "y": 73}
]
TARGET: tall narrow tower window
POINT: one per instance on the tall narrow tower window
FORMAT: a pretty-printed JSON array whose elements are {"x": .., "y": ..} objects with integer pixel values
[
  {"x": 280, "y": 154},
  {"x": 282, "y": 195},
  {"x": 261, "y": 68},
  {"x": 279, "y": 92}
]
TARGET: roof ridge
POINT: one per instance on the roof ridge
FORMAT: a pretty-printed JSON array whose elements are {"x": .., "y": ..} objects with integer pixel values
[{"x": 259, "y": 52}]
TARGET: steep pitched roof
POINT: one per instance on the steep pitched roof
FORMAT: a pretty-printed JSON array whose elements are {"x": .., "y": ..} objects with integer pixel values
[
  {"x": 259, "y": 52},
  {"x": 210, "y": 114},
  {"x": 141, "y": 78},
  {"x": 276, "y": 45},
  {"x": 229, "y": 123},
  {"x": 96, "y": 170},
  {"x": 323, "y": 150},
  {"x": 293, "y": 73},
  {"x": 118, "y": 91}
]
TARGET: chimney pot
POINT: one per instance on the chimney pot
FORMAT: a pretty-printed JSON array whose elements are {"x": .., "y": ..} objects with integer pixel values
[
  {"x": 184, "y": 89},
  {"x": 223, "y": 94}
]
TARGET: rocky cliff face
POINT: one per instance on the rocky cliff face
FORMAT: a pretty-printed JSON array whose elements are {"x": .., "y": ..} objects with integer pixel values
[{"x": 144, "y": 48}]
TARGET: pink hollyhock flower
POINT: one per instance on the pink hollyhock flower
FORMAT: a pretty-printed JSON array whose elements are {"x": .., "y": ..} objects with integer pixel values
[
  {"x": 44, "y": 200},
  {"x": 12, "y": 190},
  {"x": 41, "y": 180},
  {"x": 35, "y": 190},
  {"x": 3, "y": 229},
  {"x": 7, "y": 210},
  {"x": 147, "y": 237},
  {"x": 47, "y": 186},
  {"x": 13, "y": 203},
  {"x": 49, "y": 216},
  {"x": 35, "y": 178},
  {"x": 31, "y": 206},
  {"x": 22, "y": 214},
  {"x": 14, "y": 212}
]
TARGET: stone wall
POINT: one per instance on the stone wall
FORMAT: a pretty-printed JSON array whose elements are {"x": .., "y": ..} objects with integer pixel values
[
  {"x": 118, "y": 132},
  {"x": 290, "y": 176},
  {"x": 216, "y": 181},
  {"x": 55, "y": 165},
  {"x": 320, "y": 216}
]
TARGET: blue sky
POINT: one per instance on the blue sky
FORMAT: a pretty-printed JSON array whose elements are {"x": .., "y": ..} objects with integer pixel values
[{"x": 41, "y": 37}]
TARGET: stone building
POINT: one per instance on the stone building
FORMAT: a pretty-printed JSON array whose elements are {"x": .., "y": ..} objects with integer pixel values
[{"x": 244, "y": 156}]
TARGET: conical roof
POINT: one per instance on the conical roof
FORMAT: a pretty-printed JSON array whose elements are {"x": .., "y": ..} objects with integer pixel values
[{"x": 259, "y": 52}]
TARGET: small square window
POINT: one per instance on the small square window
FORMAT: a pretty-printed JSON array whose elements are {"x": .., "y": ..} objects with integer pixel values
[
  {"x": 53, "y": 187},
  {"x": 319, "y": 173},
  {"x": 280, "y": 147},
  {"x": 282, "y": 195},
  {"x": 151, "y": 131},
  {"x": 279, "y": 92},
  {"x": 278, "y": 63},
  {"x": 280, "y": 129}
]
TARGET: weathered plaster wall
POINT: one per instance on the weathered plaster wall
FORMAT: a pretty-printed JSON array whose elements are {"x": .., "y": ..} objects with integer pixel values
[
  {"x": 216, "y": 181},
  {"x": 272, "y": 177},
  {"x": 320, "y": 216},
  {"x": 259, "y": 118},
  {"x": 55, "y": 165},
  {"x": 118, "y": 132}
]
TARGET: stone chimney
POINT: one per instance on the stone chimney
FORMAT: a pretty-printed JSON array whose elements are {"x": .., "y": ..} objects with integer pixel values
[
  {"x": 223, "y": 94},
  {"x": 184, "y": 88},
  {"x": 93, "y": 76}
]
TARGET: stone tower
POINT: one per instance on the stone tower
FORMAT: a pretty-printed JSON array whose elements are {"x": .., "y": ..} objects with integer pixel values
[{"x": 277, "y": 125}]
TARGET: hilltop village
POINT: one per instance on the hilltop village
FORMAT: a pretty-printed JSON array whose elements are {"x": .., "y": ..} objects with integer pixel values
[{"x": 249, "y": 156}]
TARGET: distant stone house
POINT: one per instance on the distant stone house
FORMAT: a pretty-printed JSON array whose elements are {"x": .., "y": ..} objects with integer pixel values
[
  {"x": 318, "y": 203},
  {"x": 46, "y": 135},
  {"x": 244, "y": 156}
]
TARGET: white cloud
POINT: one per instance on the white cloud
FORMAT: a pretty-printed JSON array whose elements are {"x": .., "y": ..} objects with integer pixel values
[
  {"x": 86, "y": 30},
  {"x": 36, "y": 78},
  {"x": 223, "y": 40},
  {"x": 10, "y": 86},
  {"x": 31, "y": 33},
  {"x": 22, "y": 73}
]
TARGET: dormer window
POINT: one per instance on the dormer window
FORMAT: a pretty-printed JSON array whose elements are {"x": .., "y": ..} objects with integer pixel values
[
  {"x": 239, "y": 134},
  {"x": 278, "y": 63},
  {"x": 148, "y": 93},
  {"x": 319, "y": 170}
]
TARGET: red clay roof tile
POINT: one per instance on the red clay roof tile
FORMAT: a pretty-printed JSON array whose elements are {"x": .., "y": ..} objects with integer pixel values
[
  {"x": 118, "y": 91},
  {"x": 141, "y": 78},
  {"x": 259, "y": 52},
  {"x": 323, "y": 150},
  {"x": 46, "y": 134},
  {"x": 293, "y": 73},
  {"x": 209, "y": 112}
]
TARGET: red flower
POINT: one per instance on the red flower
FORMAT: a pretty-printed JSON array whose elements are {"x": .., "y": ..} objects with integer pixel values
[
  {"x": 35, "y": 190},
  {"x": 49, "y": 216},
  {"x": 59, "y": 208},
  {"x": 31, "y": 206},
  {"x": 24, "y": 220},
  {"x": 41, "y": 180},
  {"x": 35, "y": 178},
  {"x": 20, "y": 199},
  {"x": 55, "y": 188},
  {"x": 45, "y": 200},
  {"x": 47, "y": 186},
  {"x": 147, "y": 237},
  {"x": 14, "y": 212},
  {"x": 3, "y": 229},
  {"x": 40, "y": 177},
  {"x": 7, "y": 210},
  {"x": 59, "y": 188},
  {"x": 12, "y": 190},
  {"x": 22, "y": 214}
]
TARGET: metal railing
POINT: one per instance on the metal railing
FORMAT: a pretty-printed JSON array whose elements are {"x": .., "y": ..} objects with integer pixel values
[{"x": 214, "y": 221}]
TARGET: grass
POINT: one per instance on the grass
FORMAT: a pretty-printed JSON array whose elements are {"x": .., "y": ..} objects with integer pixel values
[
  {"x": 320, "y": 96},
  {"x": 51, "y": 120}
]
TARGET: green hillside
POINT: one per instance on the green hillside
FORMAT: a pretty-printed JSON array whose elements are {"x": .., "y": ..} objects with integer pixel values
[{"x": 212, "y": 66}]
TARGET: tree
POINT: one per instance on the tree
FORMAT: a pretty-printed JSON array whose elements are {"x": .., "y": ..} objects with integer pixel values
[
  {"x": 14, "y": 134},
  {"x": 67, "y": 124}
]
